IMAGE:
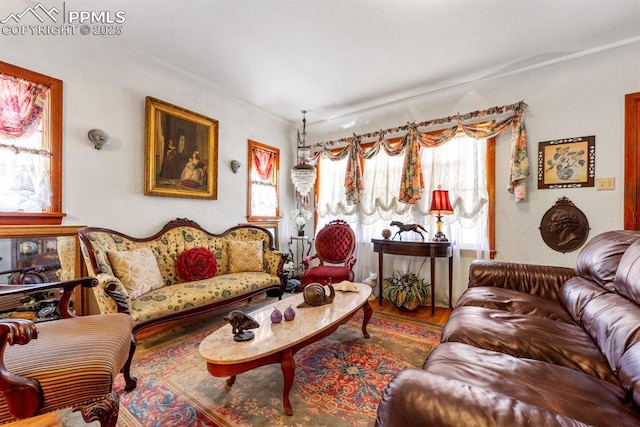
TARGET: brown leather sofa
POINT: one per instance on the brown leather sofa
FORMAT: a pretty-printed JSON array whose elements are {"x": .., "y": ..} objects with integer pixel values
[{"x": 531, "y": 345}]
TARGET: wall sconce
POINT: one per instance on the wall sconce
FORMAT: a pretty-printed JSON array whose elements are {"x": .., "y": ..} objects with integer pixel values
[
  {"x": 440, "y": 205},
  {"x": 235, "y": 165},
  {"x": 99, "y": 138}
]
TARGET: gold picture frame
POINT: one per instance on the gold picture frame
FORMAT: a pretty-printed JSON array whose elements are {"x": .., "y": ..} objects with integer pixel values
[
  {"x": 181, "y": 152},
  {"x": 567, "y": 163}
]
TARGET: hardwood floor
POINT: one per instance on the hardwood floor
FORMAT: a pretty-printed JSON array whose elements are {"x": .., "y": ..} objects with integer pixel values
[{"x": 421, "y": 313}]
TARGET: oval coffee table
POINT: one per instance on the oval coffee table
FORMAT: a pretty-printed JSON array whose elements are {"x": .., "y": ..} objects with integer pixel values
[{"x": 278, "y": 342}]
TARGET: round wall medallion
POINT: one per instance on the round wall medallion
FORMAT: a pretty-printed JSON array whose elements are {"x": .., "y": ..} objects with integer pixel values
[{"x": 564, "y": 227}]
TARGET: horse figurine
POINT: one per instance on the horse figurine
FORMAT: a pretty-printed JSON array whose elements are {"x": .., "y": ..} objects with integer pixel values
[{"x": 407, "y": 227}]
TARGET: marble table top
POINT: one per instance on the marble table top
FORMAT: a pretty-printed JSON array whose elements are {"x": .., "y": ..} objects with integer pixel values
[{"x": 220, "y": 348}]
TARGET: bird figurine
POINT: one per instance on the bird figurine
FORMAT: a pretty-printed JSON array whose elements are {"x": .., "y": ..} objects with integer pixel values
[{"x": 240, "y": 322}]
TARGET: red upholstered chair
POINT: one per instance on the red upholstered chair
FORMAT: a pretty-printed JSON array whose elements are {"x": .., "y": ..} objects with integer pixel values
[{"x": 334, "y": 244}]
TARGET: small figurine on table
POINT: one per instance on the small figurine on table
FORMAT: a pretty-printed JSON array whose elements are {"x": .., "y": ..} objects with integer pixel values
[
  {"x": 239, "y": 322},
  {"x": 407, "y": 227}
]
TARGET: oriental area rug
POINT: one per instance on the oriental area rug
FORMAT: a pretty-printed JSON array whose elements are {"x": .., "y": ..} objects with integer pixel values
[{"x": 338, "y": 380}]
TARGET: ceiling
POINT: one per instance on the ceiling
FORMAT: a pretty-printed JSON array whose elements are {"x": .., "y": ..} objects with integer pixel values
[{"x": 334, "y": 57}]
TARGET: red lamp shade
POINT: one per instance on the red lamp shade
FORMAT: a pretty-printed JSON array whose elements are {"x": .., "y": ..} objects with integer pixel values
[{"x": 440, "y": 204}]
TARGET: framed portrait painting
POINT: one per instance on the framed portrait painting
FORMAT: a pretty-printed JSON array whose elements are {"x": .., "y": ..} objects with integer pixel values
[
  {"x": 567, "y": 163},
  {"x": 181, "y": 152}
]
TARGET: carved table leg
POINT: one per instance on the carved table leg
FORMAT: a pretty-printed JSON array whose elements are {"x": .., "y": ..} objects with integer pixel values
[
  {"x": 231, "y": 380},
  {"x": 368, "y": 311},
  {"x": 288, "y": 371}
]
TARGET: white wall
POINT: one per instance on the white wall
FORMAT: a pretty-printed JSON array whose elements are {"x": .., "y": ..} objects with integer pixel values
[
  {"x": 105, "y": 85},
  {"x": 579, "y": 97}
]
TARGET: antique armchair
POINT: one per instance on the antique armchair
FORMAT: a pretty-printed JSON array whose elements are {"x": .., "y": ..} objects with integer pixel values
[
  {"x": 48, "y": 365},
  {"x": 334, "y": 245}
]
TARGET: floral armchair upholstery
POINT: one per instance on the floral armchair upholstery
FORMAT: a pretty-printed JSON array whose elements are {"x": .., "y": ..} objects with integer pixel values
[{"x": 334, "y": 245}]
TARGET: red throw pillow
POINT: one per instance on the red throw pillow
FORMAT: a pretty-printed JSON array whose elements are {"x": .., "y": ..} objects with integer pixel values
[{"x": 196, "y": 264}]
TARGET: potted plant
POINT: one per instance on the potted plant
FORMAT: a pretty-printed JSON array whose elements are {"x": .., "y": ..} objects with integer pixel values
[{"x": 406, "y": 290}]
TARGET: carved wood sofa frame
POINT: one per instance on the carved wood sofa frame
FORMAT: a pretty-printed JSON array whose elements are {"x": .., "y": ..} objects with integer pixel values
[{"x": 122, "y": 305}]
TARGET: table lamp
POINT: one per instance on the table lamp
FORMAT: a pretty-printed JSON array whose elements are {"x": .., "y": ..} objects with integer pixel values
[{"x": 440, "y": 206}]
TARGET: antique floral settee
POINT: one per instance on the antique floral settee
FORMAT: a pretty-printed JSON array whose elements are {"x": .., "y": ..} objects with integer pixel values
[
  {"x": 141, "y": 276},
  {"x": 534, "y": 345},
  {"x": 182, "y": 270}
]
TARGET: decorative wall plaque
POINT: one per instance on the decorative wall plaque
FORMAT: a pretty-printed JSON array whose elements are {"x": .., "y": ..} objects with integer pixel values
[{"x": 564, "y": 227}]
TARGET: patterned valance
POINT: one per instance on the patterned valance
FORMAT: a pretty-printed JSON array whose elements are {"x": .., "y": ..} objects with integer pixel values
[
  {"x": 408, "y": 139},
  {"x": 21, "y": 106}
]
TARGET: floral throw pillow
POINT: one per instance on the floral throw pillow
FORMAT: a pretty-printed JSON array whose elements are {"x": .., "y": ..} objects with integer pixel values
[
  {"x": 137, "y": 269},
  {"x": 245, "y": 256},
  {"x": 196, "y": 264}
]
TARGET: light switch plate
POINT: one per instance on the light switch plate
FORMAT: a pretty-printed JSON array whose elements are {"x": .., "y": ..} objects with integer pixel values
[{"x": 605, "y": 184}]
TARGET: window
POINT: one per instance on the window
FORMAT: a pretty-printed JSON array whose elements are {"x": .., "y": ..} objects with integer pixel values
[
  {"x": 463, "y": 166},
  {"x": 30, "y": 147},
  {"x": 264, "y": 167}
]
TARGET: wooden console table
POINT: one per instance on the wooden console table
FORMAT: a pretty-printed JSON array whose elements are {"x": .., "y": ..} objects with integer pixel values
[{"x": 425, "y": 248}]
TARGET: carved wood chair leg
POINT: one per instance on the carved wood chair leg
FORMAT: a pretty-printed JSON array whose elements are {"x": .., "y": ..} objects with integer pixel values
[
  {"x": 104, "y": 411},
  {"x": 130, "y": 382}
]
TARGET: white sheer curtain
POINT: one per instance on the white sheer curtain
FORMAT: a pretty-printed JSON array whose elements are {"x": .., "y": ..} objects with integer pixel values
[
  {"x": 457, "y": 166},
  {"x": 25, "y": 178},
  {"x": 25, "y": 181}
]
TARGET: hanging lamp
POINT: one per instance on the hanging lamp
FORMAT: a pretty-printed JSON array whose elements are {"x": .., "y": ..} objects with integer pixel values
[{"x": 303, "y": 175}]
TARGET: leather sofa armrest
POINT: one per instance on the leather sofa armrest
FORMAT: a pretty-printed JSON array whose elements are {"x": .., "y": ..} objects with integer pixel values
[{"x": 540, "y": 280}]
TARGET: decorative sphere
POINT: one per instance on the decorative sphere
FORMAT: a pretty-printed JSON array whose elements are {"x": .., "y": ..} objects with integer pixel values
[
  {"x": 386, "y": 233},
  {"x": 276, "y": 316}
]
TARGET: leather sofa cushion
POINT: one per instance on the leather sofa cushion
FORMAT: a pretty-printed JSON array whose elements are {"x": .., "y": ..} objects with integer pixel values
[
  {"x": 576, "y": 294},
  {"x": 614, "y": 324},
  {"x": 612, "y": 321},
  {"x": 540, "y": 280},
  {"x": 599, "y": 258},
  {"x": 514, "y": 301},
  {"x": 527, "y": 337},
  {"x": 627, "y": 281},
  {"x": 465, "y": 385},
  {"x": 629, "y": 372}
]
